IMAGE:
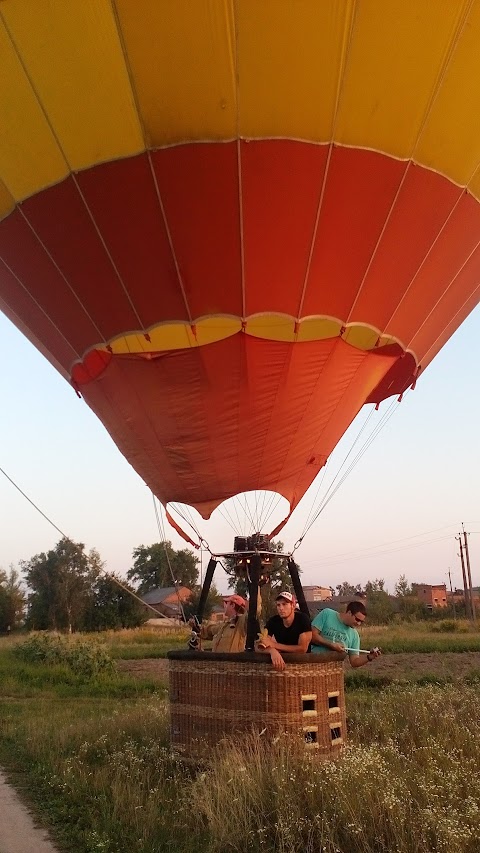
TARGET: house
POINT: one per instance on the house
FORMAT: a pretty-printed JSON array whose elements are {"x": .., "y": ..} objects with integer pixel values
[
  {"x": 430, "y": 595},
  {"x": 167, "y": 600},
  {"x": 217, "y": 614},
  {"x": 318, "y": 593},
  {"x": 336, "y": 602}
]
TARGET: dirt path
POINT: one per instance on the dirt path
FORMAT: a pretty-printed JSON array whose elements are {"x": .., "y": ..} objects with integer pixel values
[
  {"x": 455, "y": 665},
  {"x": 18, "y": 833}
]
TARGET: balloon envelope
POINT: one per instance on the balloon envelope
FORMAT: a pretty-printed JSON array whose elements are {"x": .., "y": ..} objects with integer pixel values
[{"x": 231, "y": 225}]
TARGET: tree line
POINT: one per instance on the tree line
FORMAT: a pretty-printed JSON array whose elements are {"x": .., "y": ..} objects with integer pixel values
[
  {"x": 383, "y": 607},
  {"x": 68, "y": 589}
]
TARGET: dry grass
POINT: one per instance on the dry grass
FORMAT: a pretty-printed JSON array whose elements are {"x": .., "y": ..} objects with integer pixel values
[{"x": 407, "y": 783}]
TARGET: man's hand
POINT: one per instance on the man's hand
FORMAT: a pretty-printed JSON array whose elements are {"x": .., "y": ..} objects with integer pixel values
[
  {"x": 277, "y": 660},
  {"x": 338, "y": 647},
  {"x": 266, "y": 643},
  {"x": 374, "y": 653}
]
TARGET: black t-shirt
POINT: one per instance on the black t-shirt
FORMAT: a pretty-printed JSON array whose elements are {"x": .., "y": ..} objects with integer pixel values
[{"x": 288, "y": 636}]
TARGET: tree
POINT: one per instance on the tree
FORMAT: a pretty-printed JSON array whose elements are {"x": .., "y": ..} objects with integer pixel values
[
  {"x": 380, "y": 606},
  {"x": 61, "y": 584},
  {"x": 378, "y": 585},
  {"x": 402, "y": 587},
  {"x": 409, "y": 607},
  {"x": 279, "y": 578},
  {"x": 111, "y": 606},
  {"x": 154, "y": 565},
  {"x": 346, "y": 589},
  {"x": 190, "y": 607},
  {"x": 12, "y": 600}
]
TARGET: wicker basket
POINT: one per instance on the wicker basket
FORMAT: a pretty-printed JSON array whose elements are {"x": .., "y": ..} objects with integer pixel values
[{"x": 214, "y": 695}]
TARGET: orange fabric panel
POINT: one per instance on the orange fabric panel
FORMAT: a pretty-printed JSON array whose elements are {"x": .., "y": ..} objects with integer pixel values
[{"x": 203, "y": 424}]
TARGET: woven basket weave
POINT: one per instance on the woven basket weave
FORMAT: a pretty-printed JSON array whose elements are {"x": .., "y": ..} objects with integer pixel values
[{"x": 214, "y": 695}]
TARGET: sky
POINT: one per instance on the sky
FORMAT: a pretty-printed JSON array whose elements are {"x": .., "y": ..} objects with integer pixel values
[{"x": 396, "y": 513}]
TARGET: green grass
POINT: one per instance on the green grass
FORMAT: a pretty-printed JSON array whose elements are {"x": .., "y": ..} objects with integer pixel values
[
  {"x": 421, "y": 637},
  {"x": 144, "y": 643},
  {"x": 93, "y": 756}
]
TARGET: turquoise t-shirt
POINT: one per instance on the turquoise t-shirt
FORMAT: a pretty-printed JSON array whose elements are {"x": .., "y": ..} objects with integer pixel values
[{"x": 329, "y": 624}]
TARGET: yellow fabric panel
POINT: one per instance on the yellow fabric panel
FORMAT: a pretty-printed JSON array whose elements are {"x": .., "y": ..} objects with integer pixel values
[
  {"x": 318, "y": 329},
  {"x": 290, "y": 56},
  {"x": 72, "y": 52},
  {"x": 7, "y": 202},
  {"x": 273, "y": 327},
  {"x": 450, "y": 142},
  {"x": 361, "y": 336},
  {"x": 165, "y": 337},
  {"x": 216, "y": 329},
  {"x": 184, "y": 73},
  {"x": 29, "y": 155},
  {"x": 397, "y": 53}
]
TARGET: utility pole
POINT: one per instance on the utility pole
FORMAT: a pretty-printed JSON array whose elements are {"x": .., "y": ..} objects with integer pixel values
[
  {"x": 453, "y": 597},
  {"x": 465, "y": 588},
  {"x": 469, "y": 574}
]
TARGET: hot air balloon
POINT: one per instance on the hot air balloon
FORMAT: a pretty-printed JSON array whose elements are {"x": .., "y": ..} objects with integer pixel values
[{"x": 232, "y": 224}]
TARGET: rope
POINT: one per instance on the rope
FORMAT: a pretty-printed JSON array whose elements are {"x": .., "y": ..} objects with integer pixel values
[
  {"x": 161, "y": 533},
  {"x": 329, "y": 493},
  {"x": 64, "y": 536},
  {"x": 177, "y": 508}
]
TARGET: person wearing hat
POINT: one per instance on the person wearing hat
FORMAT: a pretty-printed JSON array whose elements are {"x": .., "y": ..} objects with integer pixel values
[
  {"x": 229, "y": 635},
  {"x": 289, "y": 631}
]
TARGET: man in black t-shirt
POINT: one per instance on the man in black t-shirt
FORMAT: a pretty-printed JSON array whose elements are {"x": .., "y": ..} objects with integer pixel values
[{"x": 289, "y": 631}]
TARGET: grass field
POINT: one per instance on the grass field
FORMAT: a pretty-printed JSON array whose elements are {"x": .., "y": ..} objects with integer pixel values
[
  {"x": 93, "y": 754},
  {"x": 441, "y": 636}
]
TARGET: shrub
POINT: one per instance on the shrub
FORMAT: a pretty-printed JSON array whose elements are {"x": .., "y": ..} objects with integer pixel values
[
  {"x": 446, "y": 626},
  {"x": 86, "y": 658}
]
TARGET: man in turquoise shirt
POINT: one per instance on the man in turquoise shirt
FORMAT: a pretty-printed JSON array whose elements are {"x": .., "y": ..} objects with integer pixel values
[{"x": 336, "y": 632}]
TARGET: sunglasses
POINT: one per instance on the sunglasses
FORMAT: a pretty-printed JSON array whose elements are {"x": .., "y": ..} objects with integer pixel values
[{"x": 359, "y": 621}]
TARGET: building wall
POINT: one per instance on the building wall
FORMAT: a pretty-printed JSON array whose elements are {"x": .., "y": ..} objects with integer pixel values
[
  {"x": 317, "y": 593},
  {"x": 431, "y": 595}
]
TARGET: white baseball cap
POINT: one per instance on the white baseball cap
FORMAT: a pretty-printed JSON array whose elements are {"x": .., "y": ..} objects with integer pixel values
[{"x": 287, "y": 596}]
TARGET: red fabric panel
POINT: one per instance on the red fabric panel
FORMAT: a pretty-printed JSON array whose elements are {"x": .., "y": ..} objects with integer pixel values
[
  {"x": 124, "y": 203},
  {"x": 37, "y": 282},
  {"x": 400, "y": 377},
  {"x": 59, "y": 217},
  {"x": 281, "y": 188},
  {"x": 449, "y": 257},
  {"x": 199, "y": 189},
  {"x": 423, "y": 205},
  {"x": 359, "y": 192},
  {"x": 426, "y": 252},
  {"x": 203, "y": 424},
  {"x": 60, "y": 352}
]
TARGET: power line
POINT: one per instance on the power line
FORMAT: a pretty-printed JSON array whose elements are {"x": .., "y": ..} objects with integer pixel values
[{"x": 366, "y": 552}]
